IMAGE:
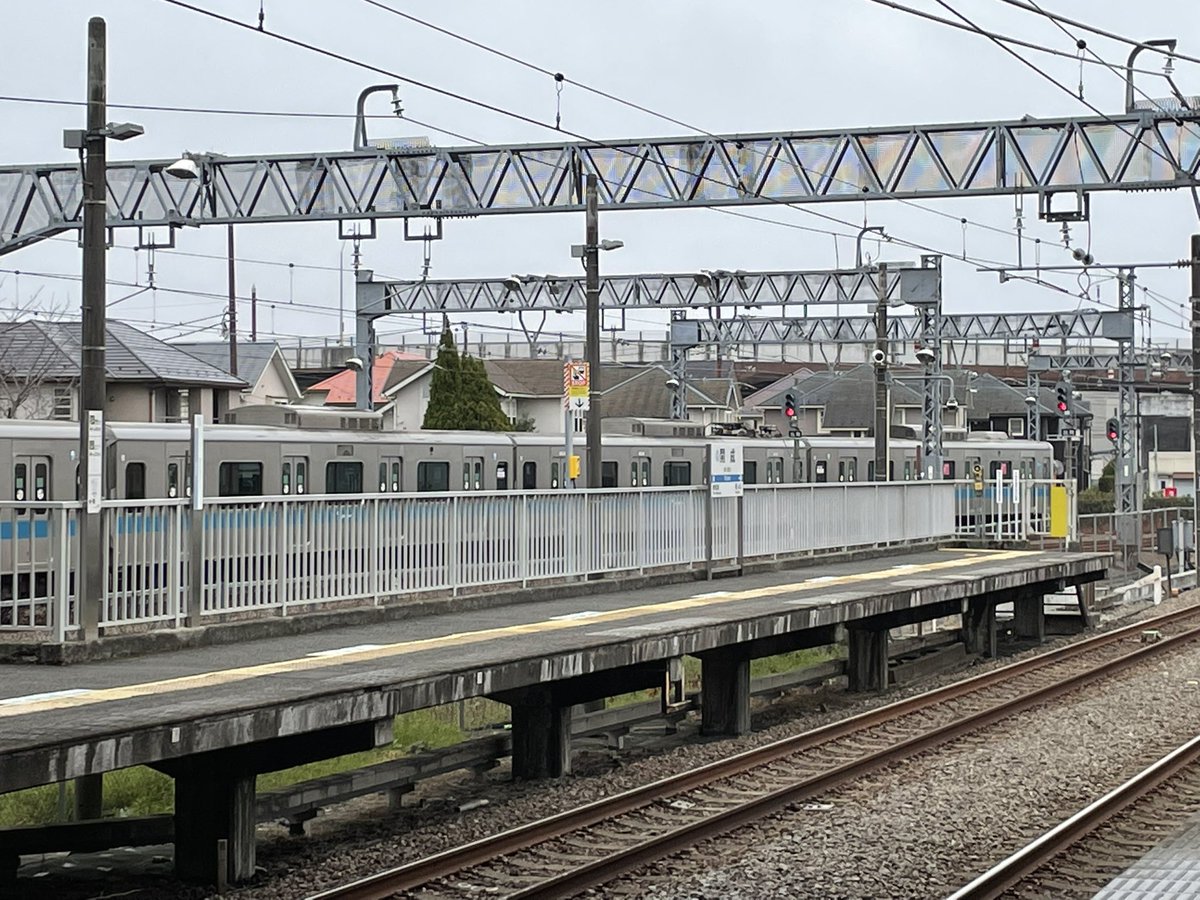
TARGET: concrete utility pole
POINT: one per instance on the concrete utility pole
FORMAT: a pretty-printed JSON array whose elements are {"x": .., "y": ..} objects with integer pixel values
[
  {"x": 1196, "y": 391},
  {"x": 233, "y": 360},
  {"x": 880, "y": 359},
  {"x": 591, "y": 265},
  {"x": 89, "y": 590}
]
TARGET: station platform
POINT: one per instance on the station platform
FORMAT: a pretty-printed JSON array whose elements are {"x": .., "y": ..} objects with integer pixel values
[
  {"x": 215, "y": 716},
  {"x": 1171, "y": 869}
]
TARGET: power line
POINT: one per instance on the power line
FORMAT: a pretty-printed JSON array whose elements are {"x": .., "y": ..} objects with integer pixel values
[{"x": 1055, "y": 17}]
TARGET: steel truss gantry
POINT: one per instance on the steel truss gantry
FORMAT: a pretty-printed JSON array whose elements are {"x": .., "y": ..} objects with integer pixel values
[{"x": 1149, "y": 149}]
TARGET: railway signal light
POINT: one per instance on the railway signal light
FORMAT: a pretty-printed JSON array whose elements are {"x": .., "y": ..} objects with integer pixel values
[
  {"x": 1062, "y": 392},
  {"x": 789, "y": 406},
  {"x": 1114, "y": 429}
]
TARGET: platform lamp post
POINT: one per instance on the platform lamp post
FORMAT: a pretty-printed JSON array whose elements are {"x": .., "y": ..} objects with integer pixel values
[{"x": 93, "y": 389}]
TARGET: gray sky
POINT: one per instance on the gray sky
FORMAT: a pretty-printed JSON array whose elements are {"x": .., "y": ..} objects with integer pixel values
[{"x": 723, "y": 67}]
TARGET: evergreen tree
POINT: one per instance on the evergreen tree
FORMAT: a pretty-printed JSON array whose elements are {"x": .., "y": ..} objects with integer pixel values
[
  {"x": 445, "y": 385},
  {"x": 461, "y": 396}
]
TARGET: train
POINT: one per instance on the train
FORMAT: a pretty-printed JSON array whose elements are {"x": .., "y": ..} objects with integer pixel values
[{"x": 152, "y": 460}]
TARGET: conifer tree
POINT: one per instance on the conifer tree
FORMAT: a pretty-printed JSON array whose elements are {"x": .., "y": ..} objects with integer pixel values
[{"x": 461, "y": 395}]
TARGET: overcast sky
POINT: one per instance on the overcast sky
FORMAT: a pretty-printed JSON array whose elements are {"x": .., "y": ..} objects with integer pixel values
[{"x": 781, "y": 65}]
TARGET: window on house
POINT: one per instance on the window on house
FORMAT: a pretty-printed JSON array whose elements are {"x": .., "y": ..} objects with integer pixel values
[{"x": 63, "y": 404}]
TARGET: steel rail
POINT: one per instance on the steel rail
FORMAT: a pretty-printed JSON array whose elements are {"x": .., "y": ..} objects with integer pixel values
[
  {"x": 1008, "y": 872},
  {"x": 422, "y": 871}
]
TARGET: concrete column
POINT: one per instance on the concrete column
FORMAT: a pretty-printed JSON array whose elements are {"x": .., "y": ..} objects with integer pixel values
[
  {"x": 725, "y": 701},
  {"x": 89, "y": 797},
  {"x": 867, "y": 666},
  {"x": 541, "y": 732},
  {"x": 979, "y": 627},
  {"x": 1029, "y": 620},
  {"x": 210, "y": 807}
]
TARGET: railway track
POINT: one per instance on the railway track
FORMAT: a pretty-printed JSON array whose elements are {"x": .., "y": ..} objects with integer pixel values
[
  {"x": 596, "y": 843},
  {"x": 1080, "y": 855}
]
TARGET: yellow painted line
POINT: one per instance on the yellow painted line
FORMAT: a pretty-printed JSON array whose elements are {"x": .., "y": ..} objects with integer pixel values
[{"x": 18, "y": 706}]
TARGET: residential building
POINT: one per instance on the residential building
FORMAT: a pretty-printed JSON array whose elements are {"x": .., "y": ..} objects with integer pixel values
[
  {"x": 147, "y": 380},
  {"x": 261, "y": 365}
]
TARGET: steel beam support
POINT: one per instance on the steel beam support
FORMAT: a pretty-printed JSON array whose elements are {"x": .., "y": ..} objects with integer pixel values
[
  {"x": 930, "y": 315},
  {"x": 882, "y": 427},
  {"x": 1102, "y": 362},
  {"x": 553, "y": 293},
  {"x": 591, "y": 265},
  {"x": 1033, "y": 415},
  {"x": 1085, "y": 324},
  {"x": 1071, "y": 156},
  {"x": 1128, "y": 499}
]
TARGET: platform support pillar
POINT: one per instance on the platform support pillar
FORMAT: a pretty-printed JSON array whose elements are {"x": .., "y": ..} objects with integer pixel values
[
  {"x": 89, "y": 797},
  {"x": 210, "y": 807},
  {"x": 867, "y": 666},
  {"x": 541, "y": 733},
  {"x": 979, "y": 627},
  {"x": 725, "y": 703},
  {"x": 1029, "y": 620}
]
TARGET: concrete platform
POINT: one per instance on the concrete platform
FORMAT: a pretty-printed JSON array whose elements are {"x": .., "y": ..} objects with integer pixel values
[
  {"x": 1172, "y": 869},
  {"x": 215, "y": 717},
  {"x": 60, "y": 723}
]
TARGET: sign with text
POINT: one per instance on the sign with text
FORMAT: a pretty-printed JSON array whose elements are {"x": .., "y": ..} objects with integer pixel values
[
  {"x": 577, "y": 381},
  {"x": 725, "y": 470}
]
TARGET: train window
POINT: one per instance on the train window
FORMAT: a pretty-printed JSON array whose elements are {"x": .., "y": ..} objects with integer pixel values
[
  {"x": 633, "y": 473},
  {"x": 749, "y": 472},
  {"x": 433, "y": 476},
  {"x": 240, "y": 479},
  {"x": 608, "y": 474},
  {"x": 645, "y": 463},
  {"x": 344, "y": 478},
  {"x": 135, "y": 481},
  {"x": 554, "y": 469},
  {"x": 1027, "y": 468},
  {"x": 41, "y": 481},
  {"x": 473, "y": 473},
  {"x": 870, "y": 470},
  {"x": 852, "y": 469},
  {"x": 891, "y": 470},
  {"x": 383, "y": 477},
  {"x": 908, "y": 470},
  {"x": 285, "y": 478},
  {"x": 502, "y": 476},
  {"x": 20, "y": 481},
  {"x": 948, "y": 468},
  {"x": 1001, "y": 467},
  {"x": 677, "y": 474},
  {"x": 301, "y": 476},
  {"x": 173, "y": 479},
  {"x": 841, "y": 470},
  {"x": 529, "y": 476},
  {"x": 820, "y": 473},
  {"x": 397, "y": 475},
  {"x": 777, "y": 466}
]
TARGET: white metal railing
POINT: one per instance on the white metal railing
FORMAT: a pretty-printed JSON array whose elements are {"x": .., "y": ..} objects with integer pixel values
[
  {"x": 1014, "y": 509},
  {"x": 270, "y": 555}
]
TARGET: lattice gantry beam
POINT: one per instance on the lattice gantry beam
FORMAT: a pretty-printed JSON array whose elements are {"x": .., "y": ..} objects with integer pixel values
[
  {"x": 1176, "y": 360},
  {"x": 1085, "y": 324},
  {"x": 1124, "y": 152},
  {"x": 545, "y": 293}
]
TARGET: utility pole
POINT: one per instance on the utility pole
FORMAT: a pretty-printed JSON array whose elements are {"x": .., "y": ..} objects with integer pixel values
[
  {"x": 880, "y": 359},
  {"x": 89, "y": 589},
  {"x": 233, "y": 360},
  {"x": 253, "y": 314},
  {"x": 1196, "y": 392},
  {"x": 591, "y": 265}
]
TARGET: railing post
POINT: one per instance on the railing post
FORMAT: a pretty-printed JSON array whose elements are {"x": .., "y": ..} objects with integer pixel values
[
  {"x": 62, "y": 569},
  {"x": 174, "y": 562},
  {"x": 452, "y": 554},
  {"x": 523, "y": 537},
  {"x": 376, "y": 554}
]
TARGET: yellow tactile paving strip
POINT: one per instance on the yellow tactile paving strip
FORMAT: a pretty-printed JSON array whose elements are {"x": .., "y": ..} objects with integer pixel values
[{"x": 19, "y": 706}]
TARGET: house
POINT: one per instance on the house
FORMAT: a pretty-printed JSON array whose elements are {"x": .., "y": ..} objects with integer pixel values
[
  {"x": 262, "y": 366},
  {"x": 147, "y": 380},
  {"x": 842, "y": 402}
]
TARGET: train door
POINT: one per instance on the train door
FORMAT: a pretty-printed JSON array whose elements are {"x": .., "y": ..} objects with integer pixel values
[
  {"x": 179, "y": 476},
  {"x": 31, "y": 482},
  {"x": 391, "y": 474},
  {"x": 529, "y": 475},
  {"x": 294, "y": 475},
  {"x": 502, "y": 475},
  {"x": 820, "y": 471},
  {"x": 472, "y": 473}
]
